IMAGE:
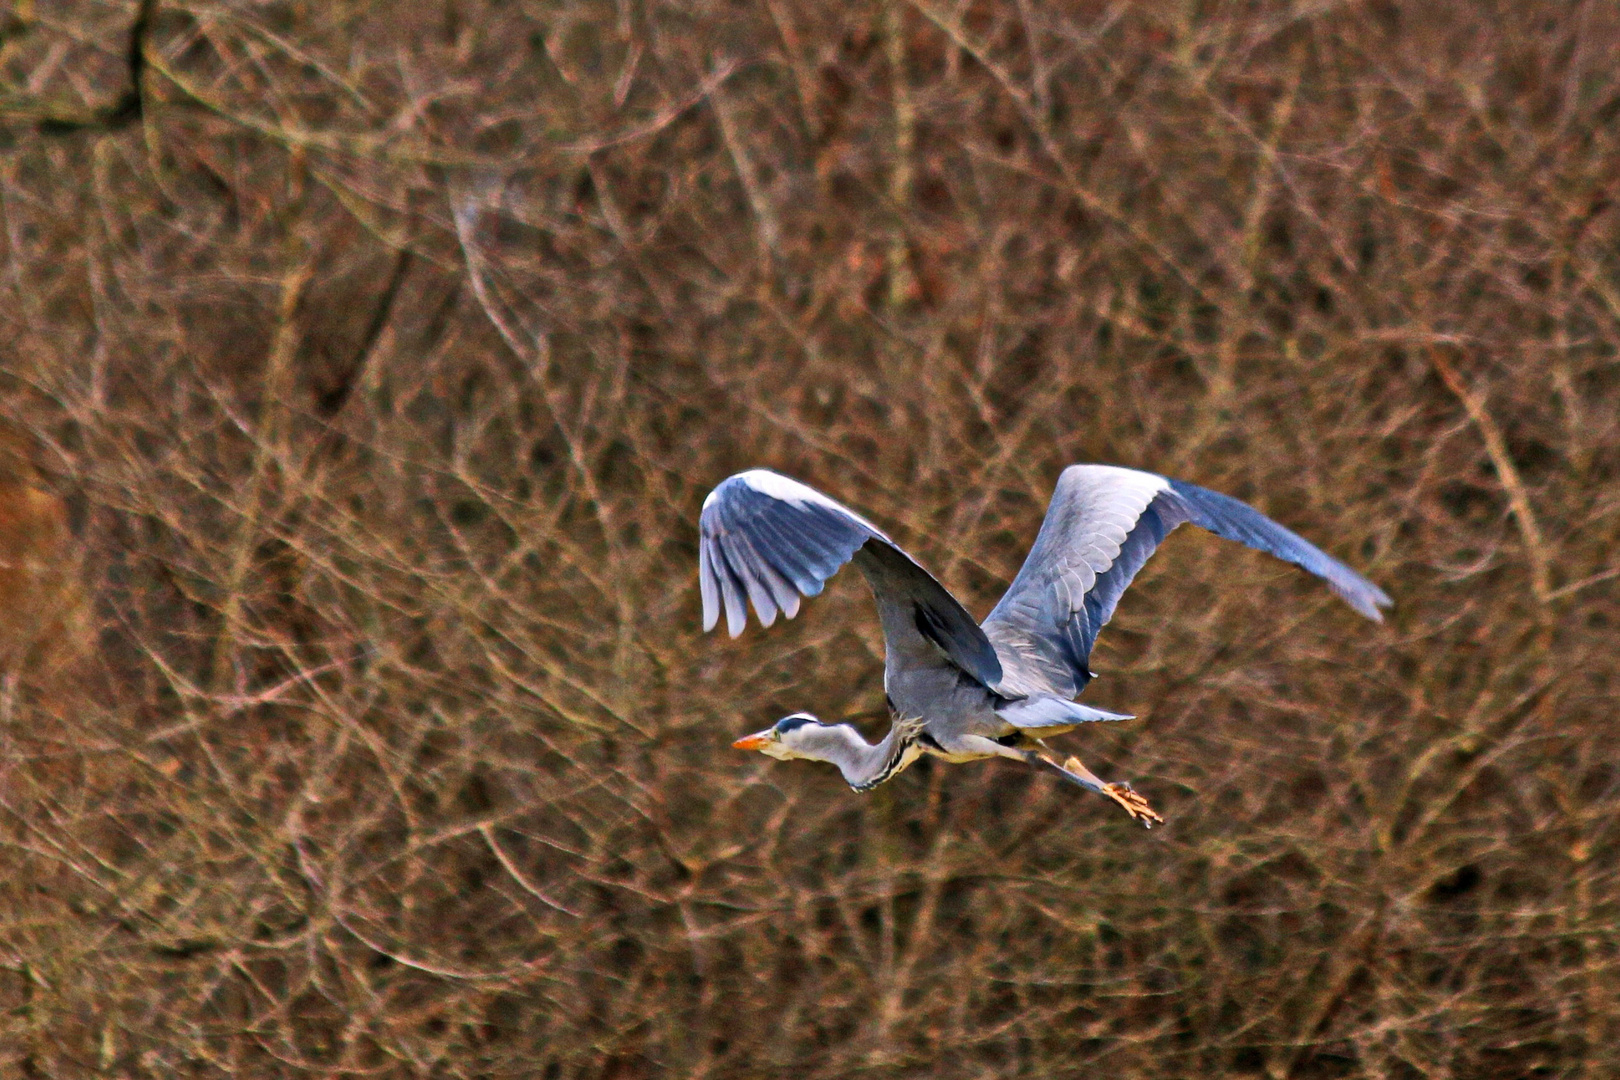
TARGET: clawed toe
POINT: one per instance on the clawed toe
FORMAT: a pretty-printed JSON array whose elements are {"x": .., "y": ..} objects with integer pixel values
[
  {"x": 1134, "y": 804},
  {"x": 1122, "y": 793}
]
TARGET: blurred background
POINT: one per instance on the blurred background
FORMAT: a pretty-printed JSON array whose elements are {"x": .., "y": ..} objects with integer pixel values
[{"x": 363, "y": 368}]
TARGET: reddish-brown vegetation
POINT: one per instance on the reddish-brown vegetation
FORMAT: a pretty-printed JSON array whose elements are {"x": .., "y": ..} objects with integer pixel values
[{"x": 362, "y": 375}]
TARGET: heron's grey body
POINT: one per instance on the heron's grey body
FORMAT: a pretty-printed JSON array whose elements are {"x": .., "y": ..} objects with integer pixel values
[{"x": 960, "y": 690}]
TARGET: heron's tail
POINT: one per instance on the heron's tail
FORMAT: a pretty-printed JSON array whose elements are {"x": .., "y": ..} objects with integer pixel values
[{"x": 1048, "y": 712}]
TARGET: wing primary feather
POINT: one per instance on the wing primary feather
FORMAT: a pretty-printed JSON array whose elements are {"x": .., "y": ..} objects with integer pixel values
[
  {"x": 825, "y": 537},
  {"x": 782, "y": 590},
  {"x": 766, "y": 586},
  {"x": 787, "y": 552},
  {"x": 815, "y": 536},
  {"x": 745, "y": 562},
  {"x": 1236, "y": 520},
  {"x": 732, "y": 590},
  {"x": 708, "y": 586}
]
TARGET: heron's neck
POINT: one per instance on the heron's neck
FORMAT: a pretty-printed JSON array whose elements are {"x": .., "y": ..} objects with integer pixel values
[{"x": 864, "y": 765}]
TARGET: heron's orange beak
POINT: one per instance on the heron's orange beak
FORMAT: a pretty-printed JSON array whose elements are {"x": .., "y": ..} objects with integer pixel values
[{"x": 751, "y": 742}]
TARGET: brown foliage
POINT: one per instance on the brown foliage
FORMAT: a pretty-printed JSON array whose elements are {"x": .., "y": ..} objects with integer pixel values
[{"x": 364, "y": 372}]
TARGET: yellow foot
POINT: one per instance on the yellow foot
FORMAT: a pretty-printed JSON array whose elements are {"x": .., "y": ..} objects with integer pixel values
[{"x": 1134, "y": 804}]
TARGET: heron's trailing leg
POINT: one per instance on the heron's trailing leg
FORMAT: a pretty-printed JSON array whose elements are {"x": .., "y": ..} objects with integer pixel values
[
  {"x": 1127, "y": 797},
  {"x": 1032, "y": 751}
]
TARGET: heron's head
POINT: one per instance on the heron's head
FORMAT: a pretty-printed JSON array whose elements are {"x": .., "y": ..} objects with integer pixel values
[{"x": 786, "y": 739}]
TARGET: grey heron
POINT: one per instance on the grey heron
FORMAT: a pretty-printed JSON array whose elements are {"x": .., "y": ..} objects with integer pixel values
[{"x": 957, "y": 689}]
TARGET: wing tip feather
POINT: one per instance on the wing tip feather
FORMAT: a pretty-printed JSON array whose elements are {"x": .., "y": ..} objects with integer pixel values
[
  {"x": 708, "y": 587},
  {"x": 1368, "y": 599}
]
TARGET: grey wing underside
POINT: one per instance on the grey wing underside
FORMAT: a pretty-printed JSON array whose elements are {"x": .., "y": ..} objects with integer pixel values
[
  {"x": 767, "y": 539},
  {"x": 1102, "y": 525}
]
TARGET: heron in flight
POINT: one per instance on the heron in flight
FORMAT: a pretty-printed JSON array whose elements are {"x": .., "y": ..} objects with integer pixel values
[{"x": 957, "y": 689}]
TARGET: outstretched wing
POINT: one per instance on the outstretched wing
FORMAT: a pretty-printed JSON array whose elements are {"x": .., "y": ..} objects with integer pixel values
[
  {"x": 1103, "y": 524},
  {"x": 768, "y": 539}
]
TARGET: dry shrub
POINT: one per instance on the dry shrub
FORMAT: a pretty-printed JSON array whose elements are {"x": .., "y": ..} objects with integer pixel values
[{"x": 364, "y": 374}]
